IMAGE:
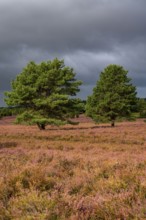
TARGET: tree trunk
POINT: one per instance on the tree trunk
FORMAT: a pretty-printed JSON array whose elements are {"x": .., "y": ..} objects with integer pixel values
[
  {"x": 41, "y": 126},
  {"x": 113, "y": 123}
]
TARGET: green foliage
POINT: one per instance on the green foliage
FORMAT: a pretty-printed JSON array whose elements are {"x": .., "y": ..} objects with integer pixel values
[
  {"x": 45, "y": 91},
  {"x": 113, "y": 96},
  {"x": 6, "y": 111},
  {"x": 141, "y": 107}
]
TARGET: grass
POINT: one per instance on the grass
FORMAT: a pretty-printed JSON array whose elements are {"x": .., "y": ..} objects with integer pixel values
[{"x": 82, "y": 172}]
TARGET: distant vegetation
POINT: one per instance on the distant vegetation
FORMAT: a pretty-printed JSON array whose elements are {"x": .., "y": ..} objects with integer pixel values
[
  {"x": 9, "y": 111},
  {"x": 141, "y": 107}
]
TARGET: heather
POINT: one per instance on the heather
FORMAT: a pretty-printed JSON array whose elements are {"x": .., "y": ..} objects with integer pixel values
[{"x": 81, "y": 172}]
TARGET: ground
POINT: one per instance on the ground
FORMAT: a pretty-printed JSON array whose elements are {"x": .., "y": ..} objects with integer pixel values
[{"x": 81, "y": 172}]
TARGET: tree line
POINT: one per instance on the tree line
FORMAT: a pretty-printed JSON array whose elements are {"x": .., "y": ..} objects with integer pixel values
[{"x": 45, "y": 93}]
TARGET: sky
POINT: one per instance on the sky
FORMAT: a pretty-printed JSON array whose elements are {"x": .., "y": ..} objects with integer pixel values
[{"x": 87, "y": 34}]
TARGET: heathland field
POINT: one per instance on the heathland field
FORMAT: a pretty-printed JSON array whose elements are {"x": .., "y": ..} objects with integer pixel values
[{"x": 81, "y": 172}]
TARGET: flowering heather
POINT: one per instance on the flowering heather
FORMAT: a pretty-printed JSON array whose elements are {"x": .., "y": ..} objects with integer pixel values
[{"x": 82, "y": 172}]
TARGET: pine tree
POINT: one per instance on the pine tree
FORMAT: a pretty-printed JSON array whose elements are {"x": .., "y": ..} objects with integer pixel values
[
  {"x": 45, "y": 91},
  {"x": 113, "y": 96}
]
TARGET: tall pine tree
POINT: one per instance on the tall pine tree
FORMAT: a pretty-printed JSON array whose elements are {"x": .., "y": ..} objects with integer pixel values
[{"x": 114, "y": 96}]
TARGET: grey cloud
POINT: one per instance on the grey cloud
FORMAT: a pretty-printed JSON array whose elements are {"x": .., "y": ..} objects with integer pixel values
[
  {"x": 89, "y": 35},
  {"x": 72, "y": 25}
]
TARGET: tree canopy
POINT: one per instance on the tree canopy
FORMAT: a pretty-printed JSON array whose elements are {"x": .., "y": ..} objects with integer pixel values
[
  {"x": 46, "y": 91},
  {"x": 113, "y": 96}
]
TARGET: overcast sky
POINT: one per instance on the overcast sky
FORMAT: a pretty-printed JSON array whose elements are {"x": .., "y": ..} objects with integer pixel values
[{"x": 87, "y": 34}]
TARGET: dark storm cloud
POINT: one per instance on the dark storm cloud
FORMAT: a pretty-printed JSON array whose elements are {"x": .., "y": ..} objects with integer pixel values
[{"x": 89, "y": 35}]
